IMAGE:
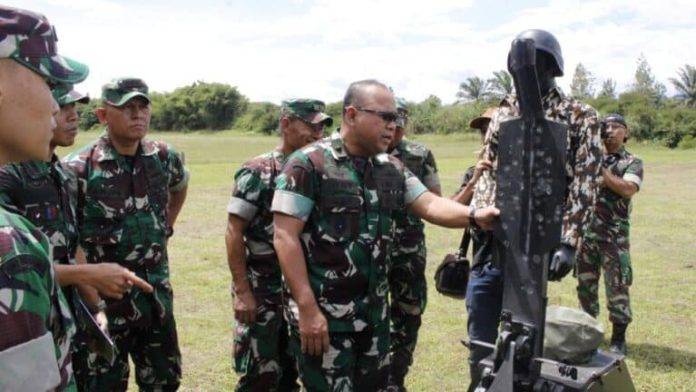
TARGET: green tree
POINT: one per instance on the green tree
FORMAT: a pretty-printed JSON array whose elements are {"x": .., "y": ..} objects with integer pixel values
[
  {"x": 608, "y": 89},
  {"x": 685, "y": 84},
  {"x": 88, "y": 119},
  {"x": 198, "y": 106},
  {"x": 645, "y": 82},
  {"x": 473, "y": 89},
  {"x": 581, "y": 86},
  {"x": 501, "y": 84},
  {"x": 260, "y": 117}
]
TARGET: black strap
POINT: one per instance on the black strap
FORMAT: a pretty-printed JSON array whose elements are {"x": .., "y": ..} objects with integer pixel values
[{"x": 464, "y": 244}]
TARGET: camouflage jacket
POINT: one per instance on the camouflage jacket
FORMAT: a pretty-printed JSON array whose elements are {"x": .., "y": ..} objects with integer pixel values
[
  {"x": 408, "y": 228},
  {"x": 610, "y": 221},
  {"x": 44, "y": 193},
  {"x": 251, "y": 200},
  {"x": 122, "y": 218},
  {"x": 35, "y": 322},
  {"x": 347, "y": 204},
  {"x": 583, "y": 158}
]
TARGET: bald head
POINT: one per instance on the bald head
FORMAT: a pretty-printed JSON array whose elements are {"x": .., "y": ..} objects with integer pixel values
[{"x": 360, "y": 93}]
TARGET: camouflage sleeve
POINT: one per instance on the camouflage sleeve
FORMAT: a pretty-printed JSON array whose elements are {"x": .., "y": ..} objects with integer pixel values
[
  {"x": 430, "y": 177},
  {"x": 77, "y": 165},
  {"x": 244, "y": 201},
  {"x": 634, "y": 172},
  {"x": 413, "y": 187},
  {"x": 484, "y": 193},
  {"x": 295, "y": 188},
  {"x": 10, "y": 182},
  {"x": 27, "y": 286},
  {"x": 582, "y": 190},
  {"x": 178, "y": 174}
]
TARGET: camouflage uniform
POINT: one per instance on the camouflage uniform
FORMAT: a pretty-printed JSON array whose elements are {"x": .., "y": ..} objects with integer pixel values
[
  {"x": 36, "y": 326},
  {"x": 407, "y": 285},
  {"x": 347, "y": 204},
  {"x": 261, "y": 354},
  {"x": 583, "y": 163},
  {"x": 44, "y": 193},
  {"x": 122, "y": 218},
  {"x": 606, "y": 244}
]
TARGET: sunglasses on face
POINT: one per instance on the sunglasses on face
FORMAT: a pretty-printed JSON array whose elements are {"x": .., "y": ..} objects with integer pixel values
[{"x": 387, "y": 117}]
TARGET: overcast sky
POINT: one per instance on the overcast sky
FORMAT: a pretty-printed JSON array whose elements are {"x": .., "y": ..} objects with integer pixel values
[{"x": 273, "y": 50}]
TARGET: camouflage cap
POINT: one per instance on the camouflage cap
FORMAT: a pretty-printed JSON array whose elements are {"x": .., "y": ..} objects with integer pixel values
[
  {"x": 121, "y": 90},
  {"x": 310, "y": 110},
  {"x": 66, "y": 95},
  {"x": 402, "y": 110},
  {"x": 481, "y": 122},
  {"x": 615, "y": 118},
  {"x": 29, "y": 39}
]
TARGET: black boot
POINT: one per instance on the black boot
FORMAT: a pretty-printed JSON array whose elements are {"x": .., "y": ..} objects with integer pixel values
[
  {"x": 475, "y": 374},
  {"x": 618, "y": 339}
]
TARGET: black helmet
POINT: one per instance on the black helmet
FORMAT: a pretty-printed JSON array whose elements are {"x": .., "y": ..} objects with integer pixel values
[{"x": 545, "y": 41}]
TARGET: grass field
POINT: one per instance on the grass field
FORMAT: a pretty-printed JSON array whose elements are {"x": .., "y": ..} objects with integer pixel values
[{"x": 662, "y": 339}]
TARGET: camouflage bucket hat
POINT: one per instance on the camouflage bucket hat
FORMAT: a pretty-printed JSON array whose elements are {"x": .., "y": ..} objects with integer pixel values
[
  {"x": 310, "y": 110},
  {"x": 29, "y": 39},
  {"x": 65, "y": 95},
  {"x": 481, "y": 122},
  {"x": 571, "y": 335},
  {"x": 402, "y": 110},
  {"x": 121, "y": 90}
]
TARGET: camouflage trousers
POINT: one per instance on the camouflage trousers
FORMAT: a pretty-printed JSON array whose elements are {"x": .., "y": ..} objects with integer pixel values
[
  {"x": 154, "y": 350},
  {"x": 615, "y": 260},
  {"x": 356, "y": 361},
  {"x": 262, "y": 357},
  {"x": 408, "y": 293}
]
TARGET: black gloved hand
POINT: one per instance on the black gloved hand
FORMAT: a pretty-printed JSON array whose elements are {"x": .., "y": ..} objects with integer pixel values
[{"x": 562, "y": 262}]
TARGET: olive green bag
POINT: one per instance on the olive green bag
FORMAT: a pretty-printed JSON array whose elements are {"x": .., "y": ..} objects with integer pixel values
[{"x": 571, "y": 335}]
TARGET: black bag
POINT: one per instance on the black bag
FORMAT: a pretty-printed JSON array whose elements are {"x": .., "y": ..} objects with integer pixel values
[{"x": 452, "y": 275}]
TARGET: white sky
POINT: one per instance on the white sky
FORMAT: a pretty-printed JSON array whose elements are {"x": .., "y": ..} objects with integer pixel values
[{"x": 273, "y": 50}]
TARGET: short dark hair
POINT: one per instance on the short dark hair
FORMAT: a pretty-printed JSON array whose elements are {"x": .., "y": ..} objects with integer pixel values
[{"x": 354, "y": 95}]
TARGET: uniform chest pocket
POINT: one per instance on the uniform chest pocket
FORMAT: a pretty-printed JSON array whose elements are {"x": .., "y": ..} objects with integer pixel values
[
  {"x": 43, "y": 214},
  {"x": 157, "y": 189},
  {"x": 339, "y": 211},
  {"x": 105, "y": 201},
  {"x": 390, "y": 188},
  {"x": 102, "y": 232}
]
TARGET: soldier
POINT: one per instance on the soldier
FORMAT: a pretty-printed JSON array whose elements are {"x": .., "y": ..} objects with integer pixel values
[
  {"x": 45, "y": 193},
  {"x": 130, "y": 191},
  {"x": 36, "y": 324},
  {"x": 333, "y": 209},
  {"x": 261, "y": 355},
  {"x": 583, "y": 162},
  {"x": 606, "y": 243},
  {"x": 407, "y": 286}
]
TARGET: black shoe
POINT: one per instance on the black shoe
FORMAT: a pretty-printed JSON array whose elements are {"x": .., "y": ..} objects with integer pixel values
[{"x": 618, "y": 339}]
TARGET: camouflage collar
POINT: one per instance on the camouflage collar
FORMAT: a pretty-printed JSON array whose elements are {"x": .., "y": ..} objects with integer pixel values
[
  {"x": 553, "y": 97},
  {"x": 105, "y": 150},
  {"x": 396, "y": 151},
  {"x": 338, "y": 148}
]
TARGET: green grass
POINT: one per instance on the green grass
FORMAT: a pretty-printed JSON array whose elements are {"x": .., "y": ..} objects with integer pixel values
[{"x": 662, "y": 343}]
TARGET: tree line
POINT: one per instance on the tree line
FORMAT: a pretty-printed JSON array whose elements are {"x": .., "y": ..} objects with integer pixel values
[{"x": 650, "y": 114}]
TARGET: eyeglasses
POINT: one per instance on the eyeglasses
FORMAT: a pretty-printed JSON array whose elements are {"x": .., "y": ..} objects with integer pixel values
[{"x": 387, "y": 117}]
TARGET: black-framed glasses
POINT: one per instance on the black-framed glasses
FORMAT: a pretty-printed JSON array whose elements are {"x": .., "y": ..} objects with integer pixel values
[{"x": 386, "y": 116}]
